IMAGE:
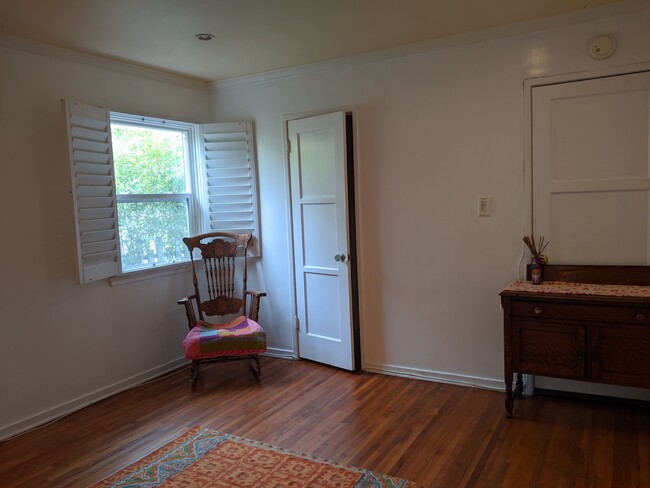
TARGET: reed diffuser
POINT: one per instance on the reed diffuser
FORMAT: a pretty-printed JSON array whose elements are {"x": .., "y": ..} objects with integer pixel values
[{"x": 538, "y": 259}]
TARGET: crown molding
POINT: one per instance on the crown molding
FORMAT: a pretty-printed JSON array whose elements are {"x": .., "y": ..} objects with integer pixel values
[
  {"x": 475, "y": 37},
  {"x": 32, "y": 47}
]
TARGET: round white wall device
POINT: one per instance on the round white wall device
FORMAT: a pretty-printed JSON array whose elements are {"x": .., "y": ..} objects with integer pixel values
[{"x": 603, "y": 46}]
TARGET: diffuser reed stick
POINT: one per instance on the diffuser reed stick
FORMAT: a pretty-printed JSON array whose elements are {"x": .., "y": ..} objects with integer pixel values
[{"x": 536, "y": 249}]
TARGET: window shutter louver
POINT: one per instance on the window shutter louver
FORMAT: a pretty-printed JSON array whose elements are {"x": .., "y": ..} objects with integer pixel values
[
  {"x": 93, "y": 191},
  {"x": 228, "y": 158}
]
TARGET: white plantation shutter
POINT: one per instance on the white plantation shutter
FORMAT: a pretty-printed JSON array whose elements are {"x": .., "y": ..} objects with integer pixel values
[
  {"x": 228, "y": 159},
  {"x": 93, "y": 191}
]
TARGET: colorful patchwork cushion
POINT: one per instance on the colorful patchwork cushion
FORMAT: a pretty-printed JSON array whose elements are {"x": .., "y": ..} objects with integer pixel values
[{"x": 241, "y": 336}]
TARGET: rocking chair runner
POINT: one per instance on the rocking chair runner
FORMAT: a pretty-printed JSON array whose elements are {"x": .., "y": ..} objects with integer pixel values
[{"x": 241, "y": 338}]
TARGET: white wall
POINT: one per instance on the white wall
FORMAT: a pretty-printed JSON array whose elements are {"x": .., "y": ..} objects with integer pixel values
[
  {"x": 63, "y": 344},
  {"x": 435, "y": 130}
]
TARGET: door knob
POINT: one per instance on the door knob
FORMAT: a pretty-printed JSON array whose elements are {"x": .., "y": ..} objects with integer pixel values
[{"x": 339, "y": 258}]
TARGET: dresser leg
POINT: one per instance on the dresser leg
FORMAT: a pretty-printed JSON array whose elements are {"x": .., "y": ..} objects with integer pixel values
[
  {"x": 511, "y": 394},
  {"x": 510, "y": 400}
]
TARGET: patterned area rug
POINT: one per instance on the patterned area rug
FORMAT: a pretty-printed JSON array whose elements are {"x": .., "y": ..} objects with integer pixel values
[{"x": 207, "y": 458}]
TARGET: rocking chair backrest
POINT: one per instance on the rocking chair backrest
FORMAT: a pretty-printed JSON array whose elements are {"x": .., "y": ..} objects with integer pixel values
[{"x": 218, "y": 252}]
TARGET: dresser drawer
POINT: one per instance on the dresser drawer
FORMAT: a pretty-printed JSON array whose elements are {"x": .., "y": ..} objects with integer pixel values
[{"x": 580, "y": 312}]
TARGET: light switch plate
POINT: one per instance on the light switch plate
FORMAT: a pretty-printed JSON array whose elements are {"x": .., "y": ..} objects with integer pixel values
[{"x": 484, "y": 206}]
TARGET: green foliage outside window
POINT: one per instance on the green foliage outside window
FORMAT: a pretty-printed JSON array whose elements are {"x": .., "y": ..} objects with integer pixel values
[
  {"x": 150, "y": 162},
  {"x": 151, "y": 233}
]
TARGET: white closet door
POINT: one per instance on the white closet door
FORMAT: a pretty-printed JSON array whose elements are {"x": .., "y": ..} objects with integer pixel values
[
  {"x": 320, "y": 228},
  {"x": 590, "y": 170}
]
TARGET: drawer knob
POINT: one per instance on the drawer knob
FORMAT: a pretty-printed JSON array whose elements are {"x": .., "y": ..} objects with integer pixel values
[
  {"x": 539, "y": 311},
  {"x": 640, "y": 317}
]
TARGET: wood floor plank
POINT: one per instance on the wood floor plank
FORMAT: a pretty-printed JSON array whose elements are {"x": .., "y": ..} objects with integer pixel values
[{"x": 436, "y": 434}]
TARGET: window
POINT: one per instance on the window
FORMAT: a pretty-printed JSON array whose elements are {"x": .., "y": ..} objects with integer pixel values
[
  {"x": 139, "y": 185},
  {"x": 154, "y": 189}
]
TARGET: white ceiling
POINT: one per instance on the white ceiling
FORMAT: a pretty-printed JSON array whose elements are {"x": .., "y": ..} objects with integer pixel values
[{"x": 254, "y": 36}]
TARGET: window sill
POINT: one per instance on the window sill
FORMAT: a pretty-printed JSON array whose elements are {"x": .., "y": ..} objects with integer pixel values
[{"x": 150, "y": 273}]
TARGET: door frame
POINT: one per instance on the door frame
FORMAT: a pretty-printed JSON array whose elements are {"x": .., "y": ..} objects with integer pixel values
[{"x": 355, "y": 301}]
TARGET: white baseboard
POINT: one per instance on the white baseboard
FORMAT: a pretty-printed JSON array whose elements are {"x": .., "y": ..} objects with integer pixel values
[
  {"x": 437, "y": 376},
  {"x": 276, "y": 352},
  {"x": 66, "y": 408}
]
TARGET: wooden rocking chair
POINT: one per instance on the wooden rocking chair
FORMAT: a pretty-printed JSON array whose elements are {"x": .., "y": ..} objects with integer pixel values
[{"x": 241, "y": 338}]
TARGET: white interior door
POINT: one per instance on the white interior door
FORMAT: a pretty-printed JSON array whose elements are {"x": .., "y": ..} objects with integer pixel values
[
  {"x": 320, "y": 236},
  {"x": 590, "y": 169}
]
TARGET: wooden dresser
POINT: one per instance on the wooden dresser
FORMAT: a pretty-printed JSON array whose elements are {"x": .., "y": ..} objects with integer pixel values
[{"x": 587, "y": 323}]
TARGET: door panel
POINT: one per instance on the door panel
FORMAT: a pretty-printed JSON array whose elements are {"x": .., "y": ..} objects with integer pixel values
[
  {"x": 319, "y": 242},
  {"x": 322, "y": 306},
  {"x": 585, "y": 215},
  {"x": 319, "y": 178},
  {"x": 320, "y": 234},
  {"x": 599, "y": 132}
]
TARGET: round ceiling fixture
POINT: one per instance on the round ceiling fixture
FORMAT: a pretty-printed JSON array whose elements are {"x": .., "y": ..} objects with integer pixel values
[
  {"x": 204, "y": 37},
  {"x": 603, "y": 46}
]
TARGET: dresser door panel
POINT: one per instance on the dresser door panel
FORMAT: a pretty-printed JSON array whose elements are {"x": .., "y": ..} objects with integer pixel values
[
  {"x": 549, "y": 348},
  {"x": 620, "y": 355}
]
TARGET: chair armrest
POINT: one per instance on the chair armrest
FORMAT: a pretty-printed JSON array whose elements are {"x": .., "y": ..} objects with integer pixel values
[
  {"x": 254, "y": 307},
  {"x": 189, "y": 310},
  {"x": 255, "y": 293},
  {"x": 182, "y": 301}
]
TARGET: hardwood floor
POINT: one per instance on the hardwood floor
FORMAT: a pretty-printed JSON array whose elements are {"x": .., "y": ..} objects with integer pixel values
[{"x": 438, "y": 435}]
